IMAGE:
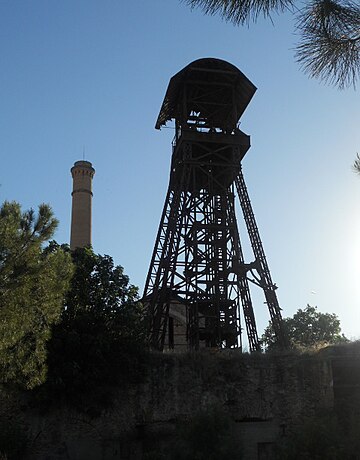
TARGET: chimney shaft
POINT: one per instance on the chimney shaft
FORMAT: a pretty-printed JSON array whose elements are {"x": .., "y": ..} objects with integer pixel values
[{"x": 82, "y": 173}]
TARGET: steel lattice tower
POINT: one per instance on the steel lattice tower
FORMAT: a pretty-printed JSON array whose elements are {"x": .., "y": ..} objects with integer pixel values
[{"x": 198, "y": 259}]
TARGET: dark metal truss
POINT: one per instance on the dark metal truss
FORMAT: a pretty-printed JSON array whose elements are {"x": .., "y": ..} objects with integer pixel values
[{"x": 197, "y": 257}]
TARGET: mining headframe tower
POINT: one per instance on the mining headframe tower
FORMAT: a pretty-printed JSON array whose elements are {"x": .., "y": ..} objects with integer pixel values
[{"x": 197, "y": 267}]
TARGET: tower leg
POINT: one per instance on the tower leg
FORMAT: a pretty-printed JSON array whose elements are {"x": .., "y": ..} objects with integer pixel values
[
  {"x": 159, "y": 284},
  {"x": 238, "y": 266},
  {"x": 261, "y": 264}
]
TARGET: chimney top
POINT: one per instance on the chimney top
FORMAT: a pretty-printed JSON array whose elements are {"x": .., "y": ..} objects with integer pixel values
[{"x": 84, "y": 163}]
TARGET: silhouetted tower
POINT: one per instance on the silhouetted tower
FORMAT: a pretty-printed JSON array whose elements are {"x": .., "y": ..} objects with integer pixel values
[
  {"x": 82, "y": 173},
  {"x": 198, "y": 259}
]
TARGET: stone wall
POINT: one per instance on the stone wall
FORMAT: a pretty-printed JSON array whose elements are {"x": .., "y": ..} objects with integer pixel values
[{"x": 265, "y": 395}]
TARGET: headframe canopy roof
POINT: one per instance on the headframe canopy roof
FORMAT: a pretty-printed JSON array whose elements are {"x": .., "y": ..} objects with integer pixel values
[{"x": 206, "y": 71}]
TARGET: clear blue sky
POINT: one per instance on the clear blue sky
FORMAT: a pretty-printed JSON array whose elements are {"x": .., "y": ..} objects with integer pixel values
[{"x": 94, "y": 73}]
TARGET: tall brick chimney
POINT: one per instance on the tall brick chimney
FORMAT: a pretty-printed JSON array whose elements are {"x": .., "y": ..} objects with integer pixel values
[{"x": 82, "y": 173}]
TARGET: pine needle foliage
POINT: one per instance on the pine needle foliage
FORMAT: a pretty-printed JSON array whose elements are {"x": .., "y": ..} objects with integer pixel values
[
  {"x": 329, "y": 32},
  {"x": 32, "y": 287},
  {"x": 240, "y": 12},
  {"x": 329, "y": 47},
  {"x": 356, "y": 165}
]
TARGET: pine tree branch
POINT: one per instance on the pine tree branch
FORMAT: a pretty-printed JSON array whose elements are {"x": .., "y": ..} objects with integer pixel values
[
  {"x": 329, "y": 47},
  {"x": 356, "y": 165},
  {"x": 240, "y": 12}
]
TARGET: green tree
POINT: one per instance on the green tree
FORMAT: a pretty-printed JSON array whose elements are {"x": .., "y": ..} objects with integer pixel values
[
  {"x": 329, "y": 46},
  {"x": 307, "y": 328},
  {"x": 100, "y": 341},
  {"x": 32, "y": 286}
]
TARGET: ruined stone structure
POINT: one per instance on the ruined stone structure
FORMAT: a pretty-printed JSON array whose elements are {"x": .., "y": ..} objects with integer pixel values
[
  {"x": 82, "y": 173},
  {"x": 266, "y": 396}
]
